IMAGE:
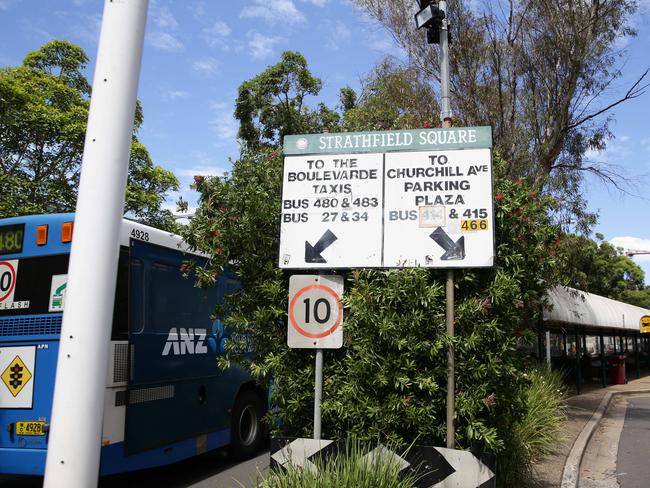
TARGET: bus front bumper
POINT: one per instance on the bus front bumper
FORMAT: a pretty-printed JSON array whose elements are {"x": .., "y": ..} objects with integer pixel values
[{"x": 22, "y": 461}]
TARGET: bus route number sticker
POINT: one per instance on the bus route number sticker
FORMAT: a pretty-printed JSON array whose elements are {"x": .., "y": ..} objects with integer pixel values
[{"x": 315, "y": 312}]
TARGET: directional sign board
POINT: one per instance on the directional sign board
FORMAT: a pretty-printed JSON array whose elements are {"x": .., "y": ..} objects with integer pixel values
[
  {"x": 388, "y": 200},
  {"x": 315, "y": 312},
  {"x": 644, "y": 322}
]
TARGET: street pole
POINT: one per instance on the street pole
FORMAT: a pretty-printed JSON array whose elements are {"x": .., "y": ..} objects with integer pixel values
[
  {"x": 445, "y": 116},
  {"x": 451, "y": 363},
  {"x": 318, "y": 393},
  {"x": 78, "y": 406}
]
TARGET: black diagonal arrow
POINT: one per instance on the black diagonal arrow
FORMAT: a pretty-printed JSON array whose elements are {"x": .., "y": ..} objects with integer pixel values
[
  {"x": 453, "y": 250},
  {"x": 312, "y": 253},
  {"x": 428, "y": 466}
]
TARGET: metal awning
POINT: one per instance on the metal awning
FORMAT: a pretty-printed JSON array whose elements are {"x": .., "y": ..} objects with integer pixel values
[{"x": 575, "y": 307}]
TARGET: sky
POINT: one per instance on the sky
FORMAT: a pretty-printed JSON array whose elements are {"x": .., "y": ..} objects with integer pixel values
[{"x": 198, "y": 52}]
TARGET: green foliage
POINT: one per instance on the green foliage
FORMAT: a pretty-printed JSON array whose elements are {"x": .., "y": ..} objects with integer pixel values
[
  {"x": 600, "y": 268},
  {"x": 393, "y": 97},
  {"x": 535, "y": 434},
  {"x": 348, "y": 470},
  {"x": 640, "y": 298},
  {"x": 43, "y": 112},
  {"x": 388, "y": 382},
  {"x": 273, "y": 103}
]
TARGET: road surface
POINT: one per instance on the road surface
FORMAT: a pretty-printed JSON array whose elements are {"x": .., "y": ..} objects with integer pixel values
[{"x": 211, "y": 470}]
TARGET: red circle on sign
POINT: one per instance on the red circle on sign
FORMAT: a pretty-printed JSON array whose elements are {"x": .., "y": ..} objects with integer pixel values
[
  {"x": 302, "y": 331},
  {"x": 13, "y": 279}
]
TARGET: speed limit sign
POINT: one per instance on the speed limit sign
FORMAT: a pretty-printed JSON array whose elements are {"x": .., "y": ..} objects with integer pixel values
[
  {"x": 315, "y": 312},
  {"x": 8, "y": 273}
]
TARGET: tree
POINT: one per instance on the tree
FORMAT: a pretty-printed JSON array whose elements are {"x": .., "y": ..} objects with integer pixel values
[
  {"x": 595, "y": 266},
  {"x": 43, "y": 112},
  {"x": 388, "y": 382},
  {"x": 273, "y": 103},
  {"x": 538, "y": 71},
  {"x": 392, "y": 97}
]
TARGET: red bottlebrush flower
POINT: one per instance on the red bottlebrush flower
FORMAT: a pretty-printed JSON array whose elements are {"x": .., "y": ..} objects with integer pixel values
[
  {"x": 557, "y": 242},
  {"x": 215, "y": 274},
  {"x": 499, "y": 197},
  {"x": 198, "y": 178},
  {"x": 184, "y": 267},
  {"x": 427, "y": 125},
  {"x": 532, "y": 194},
  {"x": 519, "y": 181},
  {"x": 518, "y": 211}
]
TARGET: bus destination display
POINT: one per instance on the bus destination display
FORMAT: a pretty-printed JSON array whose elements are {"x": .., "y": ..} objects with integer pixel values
[{"x": 11, "y": 238}]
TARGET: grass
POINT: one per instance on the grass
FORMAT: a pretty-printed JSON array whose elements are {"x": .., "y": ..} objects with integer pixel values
[
  {"x": 536, "y": 434},
  {"x": 350, "y": 469}
]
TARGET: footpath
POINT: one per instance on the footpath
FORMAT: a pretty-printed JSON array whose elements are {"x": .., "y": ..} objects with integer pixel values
[{"x": 584, "y": 412}]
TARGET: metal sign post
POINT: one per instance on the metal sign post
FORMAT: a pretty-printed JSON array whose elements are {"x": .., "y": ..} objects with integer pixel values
[
  {"x": 446, "y": 123},
  {"x": 318, "y": 393}
]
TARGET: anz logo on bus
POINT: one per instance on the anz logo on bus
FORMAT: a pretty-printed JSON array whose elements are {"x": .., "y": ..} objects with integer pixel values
[{"x": 185, "y": 341}]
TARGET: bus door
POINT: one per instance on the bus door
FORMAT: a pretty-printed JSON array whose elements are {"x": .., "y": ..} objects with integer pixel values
[{"x": 173, "y": 391}]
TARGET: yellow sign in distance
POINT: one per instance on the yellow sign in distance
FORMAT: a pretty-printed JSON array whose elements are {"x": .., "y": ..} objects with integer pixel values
[
  {"x": 16, "y": 376},
  {"x": 645, "y": 323}
]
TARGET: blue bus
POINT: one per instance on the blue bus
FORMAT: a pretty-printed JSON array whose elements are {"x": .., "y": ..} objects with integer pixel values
[{"x": 165, "y": 398}]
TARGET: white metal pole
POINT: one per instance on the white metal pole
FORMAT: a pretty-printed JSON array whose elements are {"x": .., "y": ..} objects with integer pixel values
[
  {"x": 318, "y": 393},
  {"x": 78, "y": 406},
  {"x": 548, "y": 348}
]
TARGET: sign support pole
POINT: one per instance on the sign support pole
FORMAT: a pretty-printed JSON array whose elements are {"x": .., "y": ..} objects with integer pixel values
[
  {"x": 318, "y": 393},
  {"x": 451, "y": 363},
  {"x": 446, "y": 123}
]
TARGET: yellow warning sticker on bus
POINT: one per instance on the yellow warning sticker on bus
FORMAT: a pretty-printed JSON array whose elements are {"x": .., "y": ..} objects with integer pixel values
[{"x": 16, "y": 376}]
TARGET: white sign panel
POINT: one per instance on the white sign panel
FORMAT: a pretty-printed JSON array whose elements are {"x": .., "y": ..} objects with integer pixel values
[
  {"x": 17, "y": 370},
  {"x": 58, "y": 288},
  {"x": 332, "y": 211},
  {"x": 315, "y": 312},
  {"x": 390, "y": 199},
  {"x": 8, "y": 279},
  {"x": 8, "y": 275},
  {"x": 438, "y": 209}
]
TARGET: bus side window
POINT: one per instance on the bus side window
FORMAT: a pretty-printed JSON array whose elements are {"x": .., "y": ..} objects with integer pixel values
[
  {"x": 129, "y": 275},
  {"x": 176, "y": 302}
]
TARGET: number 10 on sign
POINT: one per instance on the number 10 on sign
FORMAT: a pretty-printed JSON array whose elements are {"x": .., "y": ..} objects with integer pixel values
[{"x": 315, "y": 312}]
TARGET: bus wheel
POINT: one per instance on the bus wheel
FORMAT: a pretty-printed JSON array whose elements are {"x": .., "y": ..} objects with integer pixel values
[{"x": 246, "y": 432}]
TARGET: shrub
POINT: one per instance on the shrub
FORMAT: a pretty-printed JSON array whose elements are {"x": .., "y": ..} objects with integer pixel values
[
  {"x": 388, "y": 382},
  {"x": 535, "y": 434}
]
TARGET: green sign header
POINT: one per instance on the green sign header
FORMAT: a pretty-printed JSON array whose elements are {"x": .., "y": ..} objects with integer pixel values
[{"x": 389, "y": 141}]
